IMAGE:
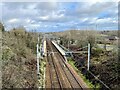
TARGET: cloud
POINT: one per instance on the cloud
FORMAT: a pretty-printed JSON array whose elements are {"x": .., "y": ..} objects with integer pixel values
[
  {"x": 47, "y": 5},
  {"x": 54, "y": 16},
  {"x": 94, "y": 9},
  {"x": 13, "y": 20},
  {"x": 49, "y": 16}
]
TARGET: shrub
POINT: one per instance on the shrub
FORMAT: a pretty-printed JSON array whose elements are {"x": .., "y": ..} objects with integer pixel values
[
  {"x": 7, "y": 53},
  {"x": 97, "y": 51}
]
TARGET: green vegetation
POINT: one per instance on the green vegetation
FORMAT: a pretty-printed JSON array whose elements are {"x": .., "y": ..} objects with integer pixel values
[
  {"x": 71, "y": 62},
  {"x": 96, "y": 52}
]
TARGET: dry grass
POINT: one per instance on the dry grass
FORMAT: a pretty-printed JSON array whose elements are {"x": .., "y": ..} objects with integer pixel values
[{"x": 19, "y": 59}]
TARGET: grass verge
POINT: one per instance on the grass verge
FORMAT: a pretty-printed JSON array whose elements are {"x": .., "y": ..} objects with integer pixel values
[{"x": 90, "y": 85}]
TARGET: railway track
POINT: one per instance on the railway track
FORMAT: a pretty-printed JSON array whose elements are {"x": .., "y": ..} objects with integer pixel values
[{"x": 59, "y": 74}]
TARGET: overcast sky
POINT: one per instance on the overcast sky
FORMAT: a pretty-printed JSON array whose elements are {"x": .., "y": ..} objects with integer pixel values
[{"x": 60, "y": 16}]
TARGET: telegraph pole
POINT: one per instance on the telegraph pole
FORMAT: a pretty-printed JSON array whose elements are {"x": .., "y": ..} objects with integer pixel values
[{"x": 88, "y": 56}]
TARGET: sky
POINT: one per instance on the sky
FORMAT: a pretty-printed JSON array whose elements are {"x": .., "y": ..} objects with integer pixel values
[{"x": 60, "y": 16}]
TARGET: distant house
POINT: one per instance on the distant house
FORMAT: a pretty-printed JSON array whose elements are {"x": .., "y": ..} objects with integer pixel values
[{"x": 113, "y": 38}]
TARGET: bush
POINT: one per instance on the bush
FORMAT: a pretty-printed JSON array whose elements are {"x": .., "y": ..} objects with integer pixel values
[
  {"x": 15, "y": 53},
  {"x": 22, "y": 52},
  {"x": 82, "y": 43},
  {"x": 97, "y": 51},
  {"x": 7, "y": 53}
]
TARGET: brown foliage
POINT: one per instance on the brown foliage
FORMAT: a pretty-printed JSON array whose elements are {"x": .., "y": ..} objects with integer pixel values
[{"x": 19, "y": 61}]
